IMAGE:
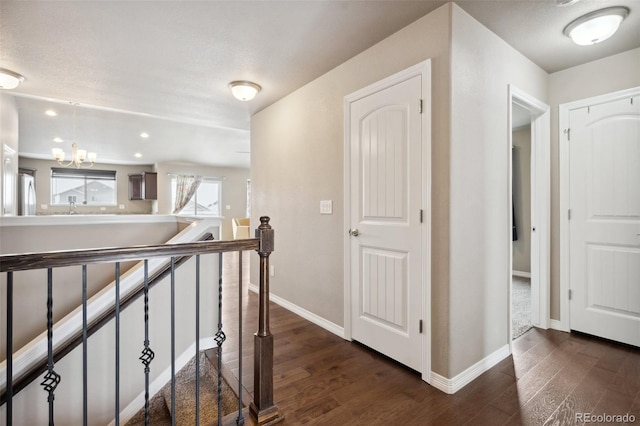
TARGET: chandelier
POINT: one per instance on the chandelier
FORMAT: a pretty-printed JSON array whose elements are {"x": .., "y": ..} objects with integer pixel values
[{"x": 78, "y": 156}]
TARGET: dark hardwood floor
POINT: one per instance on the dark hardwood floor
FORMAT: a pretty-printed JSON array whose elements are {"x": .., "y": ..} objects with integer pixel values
[{"x": 321, "y": 379}]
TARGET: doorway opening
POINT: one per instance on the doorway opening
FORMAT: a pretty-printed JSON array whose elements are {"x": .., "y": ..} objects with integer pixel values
[
  {"x": 529, "y": 201},
  {"x": 521, "y": 221}
]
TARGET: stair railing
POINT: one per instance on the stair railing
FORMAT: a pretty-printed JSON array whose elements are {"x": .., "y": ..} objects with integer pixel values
[{"x": 262, "y": 408}]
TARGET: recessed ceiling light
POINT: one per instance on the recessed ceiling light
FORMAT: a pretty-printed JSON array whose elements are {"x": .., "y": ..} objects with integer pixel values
[
  {"x": 137, "y": 155},
  {"x": 596, "y": 26},
  {"x": 144, "y": 135},
  {"x": 51, "y": 113},
  {"x": 58, "y": 140},
  {"x": 244, "y": 90},
  {"x": 9, "y": 79}
]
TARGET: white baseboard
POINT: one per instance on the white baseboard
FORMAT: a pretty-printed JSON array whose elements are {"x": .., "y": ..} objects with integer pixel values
[
  {"x": 558, "y": 325},
  {"x": 453, "y": 385},
  {"x": 165, "y": 377},
  {"x": 309, "y": 316},
  {"x": 521, "y": 274}
]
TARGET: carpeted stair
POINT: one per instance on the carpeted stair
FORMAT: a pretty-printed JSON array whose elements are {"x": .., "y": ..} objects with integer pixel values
[{"x": 160, "y": 404}]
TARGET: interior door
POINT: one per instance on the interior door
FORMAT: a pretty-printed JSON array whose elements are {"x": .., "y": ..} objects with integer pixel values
[
  {"x": 605, "y": 220},
  {"x": 385, "y": 242}
]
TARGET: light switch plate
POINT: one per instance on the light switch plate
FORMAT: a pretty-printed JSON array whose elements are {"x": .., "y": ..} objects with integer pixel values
[{"x": 326, "y": 207}]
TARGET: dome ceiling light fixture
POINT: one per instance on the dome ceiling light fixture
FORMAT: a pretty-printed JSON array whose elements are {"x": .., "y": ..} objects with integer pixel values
[
  {"x": 9, "y": 79},
  {"x": 596, "y": 26},
  {"x": 563, "y": 3},
  {"x": 244, "y": 90}
]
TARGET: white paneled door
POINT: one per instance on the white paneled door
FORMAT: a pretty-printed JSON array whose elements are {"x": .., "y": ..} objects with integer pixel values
[
  {"x": 385, "y": 235},
  {"x": 604, "y": 223}
]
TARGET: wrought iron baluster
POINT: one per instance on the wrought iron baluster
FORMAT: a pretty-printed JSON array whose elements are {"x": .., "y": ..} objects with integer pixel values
[
  {"x": 197, "y": 339},
  {"x": 220, "y": 338},
  {"x": 117, "y": 308},
  {"x": 240, "y": 418},
  {"x": 173, "y": 341},
  {"x": 9, "y": 392},
  {"x": 147, "y": 354},
  {"x": 85, "y": 388},
  {"x": 51, "y": 379}
]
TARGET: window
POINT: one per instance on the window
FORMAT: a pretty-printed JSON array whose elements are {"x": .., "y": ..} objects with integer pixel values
[
  {"x": 206, "y": 200},
  {"x": 82, "y": 186}
]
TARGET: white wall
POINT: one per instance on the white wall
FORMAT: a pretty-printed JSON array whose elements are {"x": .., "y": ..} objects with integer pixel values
[
  {"x": 483, "y": 65},
  {"x": 297, "y": 160},
  {"x": 617, "y": 72},
  {"x": 234, "y": 190}
]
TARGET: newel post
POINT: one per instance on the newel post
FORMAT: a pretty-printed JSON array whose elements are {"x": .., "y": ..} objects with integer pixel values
[{"x": 262, "y": 408}]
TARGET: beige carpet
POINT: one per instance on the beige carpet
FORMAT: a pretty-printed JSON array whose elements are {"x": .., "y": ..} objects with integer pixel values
[
  {"x": 160, "y": 404},
  {"x": 520, "y": 306}
]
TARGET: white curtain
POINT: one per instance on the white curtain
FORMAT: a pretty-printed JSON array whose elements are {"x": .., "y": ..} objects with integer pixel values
[{"x": 186, "y": 187}]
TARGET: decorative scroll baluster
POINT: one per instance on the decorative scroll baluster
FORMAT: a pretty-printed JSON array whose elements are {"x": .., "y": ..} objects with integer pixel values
[
  {"x": 197, "y": 339},
  {"x": 220, "y": 338},
  {"x": 9, "y": 392},
  {"x": 51, "y": 379},
  {"x": 173, "y": 341},
  {"x": 147, "y": 354},
  {"x": 117, "y": 420},
  {"x": 85, "y": 410},
  {"x": 262, "y": 408},
  {"x": 240, "y": 418}
]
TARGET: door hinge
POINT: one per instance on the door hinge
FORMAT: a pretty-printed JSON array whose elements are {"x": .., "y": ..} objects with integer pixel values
[
  {"x": 570, "y": 294},
  {"x": 569, "y": 214},
  {"x": 420, "y": 106},
  {"x": 420, "y": 327},
  {"x": 568, "y": 133},
  {"x": 421, "y": 215}
]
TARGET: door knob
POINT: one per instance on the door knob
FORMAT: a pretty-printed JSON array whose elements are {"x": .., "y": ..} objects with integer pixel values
[{"x": 354, "y": 232}]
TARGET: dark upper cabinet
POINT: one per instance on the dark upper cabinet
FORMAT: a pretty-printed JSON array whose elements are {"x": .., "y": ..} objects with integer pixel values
[{"x": 143, "y": 186}]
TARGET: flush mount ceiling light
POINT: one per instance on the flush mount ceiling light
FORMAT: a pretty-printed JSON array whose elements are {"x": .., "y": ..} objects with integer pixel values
[
  {"x": 563, "y": 3},
  {"x": 9, "y": 79},
  {"x": 244, "y": 90},
  {"x": 596, "y": 26}
]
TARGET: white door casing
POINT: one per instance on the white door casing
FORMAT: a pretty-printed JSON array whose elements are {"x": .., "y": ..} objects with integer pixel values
[
  {"x": 540, "y": 206},
  {"x": 386, "y": 264},
  {"x": 604, "y": 198}
]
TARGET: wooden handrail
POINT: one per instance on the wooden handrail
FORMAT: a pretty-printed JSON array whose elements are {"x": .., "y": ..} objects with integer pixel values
[
  {"x": 57, "y": 259},
  {"x": 61, "y": 351}
]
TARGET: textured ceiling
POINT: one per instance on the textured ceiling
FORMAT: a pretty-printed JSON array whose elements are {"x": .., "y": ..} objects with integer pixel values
[{"x": 163, "y": 66}]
